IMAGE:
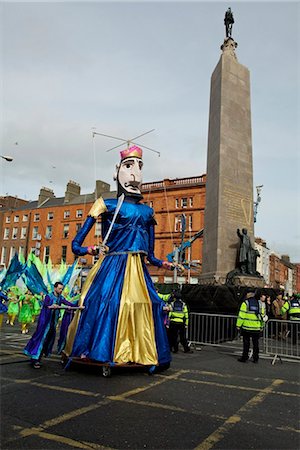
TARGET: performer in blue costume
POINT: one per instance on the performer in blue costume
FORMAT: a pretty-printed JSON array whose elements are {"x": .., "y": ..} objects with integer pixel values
[
  {"x": 43, "y": 338},
  {"x": 123, "y": 319},
  {"x": 3, "y": 307}
]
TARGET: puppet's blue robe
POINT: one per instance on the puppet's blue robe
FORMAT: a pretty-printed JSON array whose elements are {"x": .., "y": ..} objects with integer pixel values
[{"x": 123, "y": 319}]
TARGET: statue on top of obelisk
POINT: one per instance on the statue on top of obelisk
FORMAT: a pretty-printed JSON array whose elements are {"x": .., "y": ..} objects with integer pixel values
[
  {"x": 229, "y": 44},
  {"x": 228, "y": 21}
]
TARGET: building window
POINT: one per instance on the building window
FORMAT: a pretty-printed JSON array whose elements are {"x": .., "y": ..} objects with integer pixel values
[
  {"x": 66, "y": 230},
  {"x": 176, "y": 203},
  {"x": 98, "y": 229},
  {"x": 7, "y": 219},
  {"x": 190, "y": 223},
  {"x": 23, "y": 232},
  {"x": 178, "y": 224},
  {"x": 21, "y": 251},
  {"x": 49, "y": 232},
  {"x": 184, "y": 202},
  {"x": 14, "y": 233},
  {"x": 79, "y": 213},
  {"x": 78, "y": 226},
  {"x": 64, "y": 253},
  {"x": 3, "y": 255},
  {"x": 35, "y": 232},
  {"x": 36, "y": 217},
  {"x": 66, "y": 214},
  {"x": 16, "y": 219},
  {"x": 12, "y": 253},
  {"x": 191, "y": 202},
  {"x": 25, "y": 218},
  {"x": 50, "y": 216},
  {"x": 6, "y": 233},
  {"x": 151, "y": 204},
  {"x": 46, "y": 254}
]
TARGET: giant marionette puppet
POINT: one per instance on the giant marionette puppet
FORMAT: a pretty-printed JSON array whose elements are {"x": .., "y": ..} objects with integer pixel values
[{"x": 123, "y": 319}]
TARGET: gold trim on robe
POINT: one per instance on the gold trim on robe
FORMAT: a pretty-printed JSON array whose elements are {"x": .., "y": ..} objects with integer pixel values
[
  {"x": 135, "y": 336},
  {"x": 74, "y": 324},
  {"x": 98, "y": 208}
]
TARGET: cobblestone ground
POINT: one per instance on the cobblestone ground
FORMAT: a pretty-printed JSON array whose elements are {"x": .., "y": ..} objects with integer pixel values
[{"x": 206, "y": 400}]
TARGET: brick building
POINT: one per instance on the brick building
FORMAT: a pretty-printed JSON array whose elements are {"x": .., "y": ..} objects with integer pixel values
[
  {"x": 49, "y": 224},
  {"x": 297, "y": 276}
]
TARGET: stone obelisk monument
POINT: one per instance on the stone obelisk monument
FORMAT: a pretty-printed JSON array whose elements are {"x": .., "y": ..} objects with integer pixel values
[{"x": 229, "y": 187}]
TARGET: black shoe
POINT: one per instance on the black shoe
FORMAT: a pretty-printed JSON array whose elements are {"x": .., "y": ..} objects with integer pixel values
[
  {"x": 174, "y": 351},
  {"x": 36, "y": 365},
  {"x": 188, "y": 350},
  {"x": 242, "y": 360},
  {"x": 255, "y": 361}
]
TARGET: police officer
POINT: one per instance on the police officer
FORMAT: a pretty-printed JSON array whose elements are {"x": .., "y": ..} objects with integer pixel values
[
  {"x": 292, "y": 308},
  {"x": 250, "y": 322},
  {"x": 179, "y": 319}
]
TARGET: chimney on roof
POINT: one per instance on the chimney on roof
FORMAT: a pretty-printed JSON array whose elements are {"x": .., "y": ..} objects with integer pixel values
[
  {"x": 45, "y": 194},
  {"x": 72, "y": 191},
  {"x": 101, "y": 187}
]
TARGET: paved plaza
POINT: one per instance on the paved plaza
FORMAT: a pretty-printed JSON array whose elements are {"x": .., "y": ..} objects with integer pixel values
[{"x": 206, "y": 400}]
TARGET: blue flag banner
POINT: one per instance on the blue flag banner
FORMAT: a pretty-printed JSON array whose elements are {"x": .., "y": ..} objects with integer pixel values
[
  {"x": 69, "y": 273},
  {"x": 14, "y": 271},
  {"x": 34, "y": 280}
]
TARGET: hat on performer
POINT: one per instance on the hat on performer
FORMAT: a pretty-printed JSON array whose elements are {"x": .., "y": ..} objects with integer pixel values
[{"x": 133, "y": 151}]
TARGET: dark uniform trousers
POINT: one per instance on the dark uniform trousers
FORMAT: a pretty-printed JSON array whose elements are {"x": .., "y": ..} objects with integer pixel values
[
  {"x": 177, "y": 328},
  {"x": 247, "y": 335}
]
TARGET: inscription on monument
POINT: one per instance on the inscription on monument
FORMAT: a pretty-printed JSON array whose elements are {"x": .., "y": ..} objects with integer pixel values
[{"x": 238, "y": 204}]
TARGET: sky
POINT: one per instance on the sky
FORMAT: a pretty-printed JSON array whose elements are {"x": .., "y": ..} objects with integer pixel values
[{"x": 125, "y": 68}]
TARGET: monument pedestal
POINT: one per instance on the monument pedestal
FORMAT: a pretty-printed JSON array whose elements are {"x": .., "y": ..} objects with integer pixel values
[{"x": 238, "y": 280}]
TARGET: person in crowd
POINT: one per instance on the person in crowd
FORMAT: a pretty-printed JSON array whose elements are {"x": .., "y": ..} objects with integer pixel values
[
  {"x": 36, "y": 305},
  {"x": 13, "y": 308},
  {"x": 25, "y": 314},
  {"x": 167, "y": 298},
  {"x": 3, "y": 307},
  {"x": 42, "y": 340},
  {"x": 280, "y": 329},
  {"x": 292, "y": 308},
  {"x": 179, "y": 319},
  {"x": 250, "y": 323}
]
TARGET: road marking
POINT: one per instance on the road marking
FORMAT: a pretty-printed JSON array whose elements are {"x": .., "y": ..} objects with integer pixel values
[
  {"x": 220, "y": 432},
  {"x": 240, "y": 388},
  {"x": 56, "y": 388},
  {"x": 243, "y": 377},
  {"x": 62, "y": 439},
  {"x": 164, "y": 406},
  {"x": 13, "y": 355}
]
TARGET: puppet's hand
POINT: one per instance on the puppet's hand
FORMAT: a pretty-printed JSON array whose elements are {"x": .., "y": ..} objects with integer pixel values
[
  {"x": 103, "y": 249},
  {"x": 167, "y": 265},
  {"x": 179, "y": 267},
  {"x": 93, "y": 250}
]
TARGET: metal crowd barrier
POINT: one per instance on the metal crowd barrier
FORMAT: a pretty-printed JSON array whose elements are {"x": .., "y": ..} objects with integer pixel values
[
  {"x": 280, "y": 337},
  {"x": 212, "y": 329}
]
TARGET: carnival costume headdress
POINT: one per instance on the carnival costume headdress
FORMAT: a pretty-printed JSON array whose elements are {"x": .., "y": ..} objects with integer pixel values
[{"x": 134, "y": 151}]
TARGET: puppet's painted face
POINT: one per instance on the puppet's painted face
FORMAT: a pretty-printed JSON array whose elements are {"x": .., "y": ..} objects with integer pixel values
[{"x": 130, "y": 175}]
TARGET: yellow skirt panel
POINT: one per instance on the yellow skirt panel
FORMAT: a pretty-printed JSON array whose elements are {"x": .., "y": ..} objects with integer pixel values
[{"x": 135, "y": 337}]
